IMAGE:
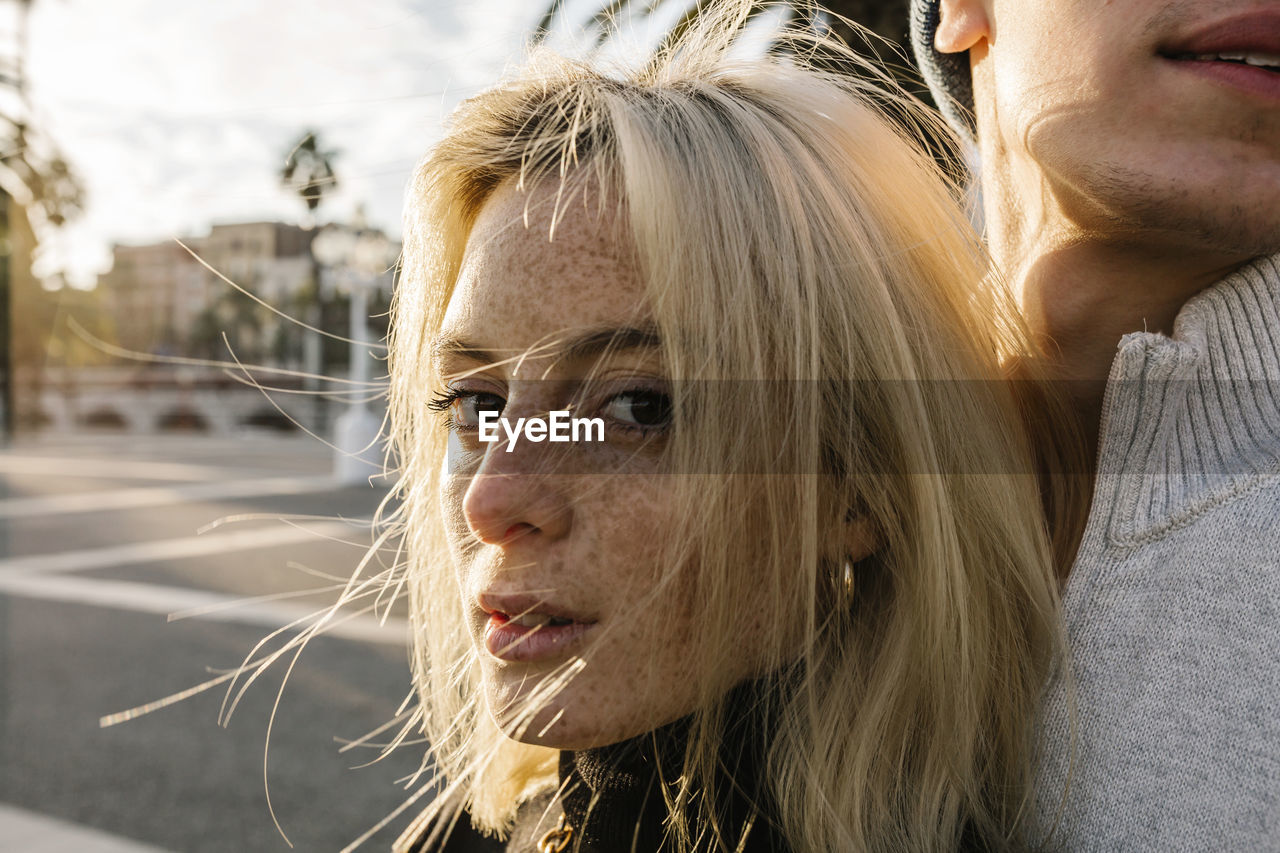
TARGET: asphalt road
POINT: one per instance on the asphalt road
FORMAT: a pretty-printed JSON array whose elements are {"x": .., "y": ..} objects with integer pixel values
[{"x": 98, "y": 542}]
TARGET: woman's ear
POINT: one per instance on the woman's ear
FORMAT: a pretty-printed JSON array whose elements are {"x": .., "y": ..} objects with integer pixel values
[
  {"x": 860, "y": 538},
  {"x": 961, "y": 25}
]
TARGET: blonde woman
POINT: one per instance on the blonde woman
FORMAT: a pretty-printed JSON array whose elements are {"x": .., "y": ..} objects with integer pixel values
[{"x": 789, "y": 587}]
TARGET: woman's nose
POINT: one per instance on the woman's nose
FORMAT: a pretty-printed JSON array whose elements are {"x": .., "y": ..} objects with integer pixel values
[{"x": 508, "y": 499}]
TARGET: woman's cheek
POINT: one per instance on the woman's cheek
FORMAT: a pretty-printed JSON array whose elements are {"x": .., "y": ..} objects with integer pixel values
[
  {"x": 453, "y": 488},
  {"x": 641, "y": 522}
]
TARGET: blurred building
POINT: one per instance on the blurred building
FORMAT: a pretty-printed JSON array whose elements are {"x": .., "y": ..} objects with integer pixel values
[
  {"x": 149, "y": 293},
  {"x": 165, "y": 301},
  {"x": 160, "y": 298},
  {"x": 272, "y": 259}
]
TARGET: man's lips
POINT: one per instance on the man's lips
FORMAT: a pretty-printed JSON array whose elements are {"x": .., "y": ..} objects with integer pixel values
[
  {"x": 1257, "y": 32},
  {"x": 1242, "y": 52}
]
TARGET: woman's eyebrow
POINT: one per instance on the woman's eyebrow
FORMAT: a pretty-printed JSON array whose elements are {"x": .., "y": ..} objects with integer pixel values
[
  {"x": 444, "y": 347},
  {"x": 588, "y": 344},
  {"x": 596, "y": 342}
]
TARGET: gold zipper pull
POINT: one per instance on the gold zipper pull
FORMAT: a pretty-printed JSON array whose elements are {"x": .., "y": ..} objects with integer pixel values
[{"x": 557, "y": 839}]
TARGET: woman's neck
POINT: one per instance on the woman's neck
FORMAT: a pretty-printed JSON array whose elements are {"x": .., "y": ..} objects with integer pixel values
[{"x": 613, "y": 796}]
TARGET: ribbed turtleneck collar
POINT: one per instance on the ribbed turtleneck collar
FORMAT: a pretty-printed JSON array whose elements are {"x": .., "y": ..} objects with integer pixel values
[
  {"x": 612, "y": 795},
  {"x": 1191, "y": 419}
]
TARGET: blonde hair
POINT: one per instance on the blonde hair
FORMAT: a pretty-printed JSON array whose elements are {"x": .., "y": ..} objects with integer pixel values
[{"x": 786, "y": 232}]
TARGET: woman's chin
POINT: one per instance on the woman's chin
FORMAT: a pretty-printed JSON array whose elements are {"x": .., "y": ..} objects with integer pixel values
[
  {"x": 556, "y": 727},
  {"x": 564, "y": 722}
]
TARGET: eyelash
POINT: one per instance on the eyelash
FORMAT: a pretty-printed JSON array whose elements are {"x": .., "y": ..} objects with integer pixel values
[{"x": 444, "y": 401}]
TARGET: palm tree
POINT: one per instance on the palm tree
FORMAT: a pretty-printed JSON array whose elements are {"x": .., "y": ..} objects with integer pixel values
[
  {"x": 308, "y": 171},
  {"x": 888, "y": 19}
]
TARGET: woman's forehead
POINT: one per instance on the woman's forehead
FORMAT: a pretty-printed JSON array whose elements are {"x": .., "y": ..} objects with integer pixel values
[{"x": 533, "y": 269}]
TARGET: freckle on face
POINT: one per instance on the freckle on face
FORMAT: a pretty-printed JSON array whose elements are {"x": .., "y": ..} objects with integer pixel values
[{"x": 590, "y": 542}]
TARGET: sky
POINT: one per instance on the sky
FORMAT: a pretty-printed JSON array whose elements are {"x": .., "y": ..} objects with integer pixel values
[{"x": 180, "y": 114}]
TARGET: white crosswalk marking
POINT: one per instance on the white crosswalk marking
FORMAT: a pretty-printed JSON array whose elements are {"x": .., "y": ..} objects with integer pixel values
[
  {"x": 87, "y": 559},
  {"x": 28, "y": 832},
  {"x": 53, "y": 577},
  {"x": 124, "y": 469},
  {"x": 166, "y": 600},
  {"x": 98, "y": 549},
  {"x": 145, "y": 496}
]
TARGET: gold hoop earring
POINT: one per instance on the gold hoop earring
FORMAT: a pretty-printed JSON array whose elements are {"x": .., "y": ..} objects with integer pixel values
[{"x": 846, "y": 581}]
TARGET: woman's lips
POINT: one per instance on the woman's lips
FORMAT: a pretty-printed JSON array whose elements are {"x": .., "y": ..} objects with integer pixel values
[{"x": 508, "y": 640}]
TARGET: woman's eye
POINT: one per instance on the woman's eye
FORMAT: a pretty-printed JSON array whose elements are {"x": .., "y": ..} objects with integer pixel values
[
  {"x": 467, "y": 408},
  {"x": 639, "y": 408},
  {"x": 464, "y": 407}
]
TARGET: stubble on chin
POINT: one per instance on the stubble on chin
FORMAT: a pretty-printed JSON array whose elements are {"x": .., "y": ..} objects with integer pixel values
[{"x": 1202, "y": 218}]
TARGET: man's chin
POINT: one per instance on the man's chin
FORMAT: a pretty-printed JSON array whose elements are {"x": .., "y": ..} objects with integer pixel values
[{"x": 1224, "y": 218}]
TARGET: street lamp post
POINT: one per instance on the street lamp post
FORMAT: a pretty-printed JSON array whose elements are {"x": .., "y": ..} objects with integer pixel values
[{"x": 356, "y": 257}]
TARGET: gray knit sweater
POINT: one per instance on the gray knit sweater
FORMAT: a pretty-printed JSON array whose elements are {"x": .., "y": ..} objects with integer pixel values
[{"x": 1173, "y": 606}]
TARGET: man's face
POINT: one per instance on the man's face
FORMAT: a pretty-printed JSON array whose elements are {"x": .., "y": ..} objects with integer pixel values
[{"x": 1152, "y": 122}]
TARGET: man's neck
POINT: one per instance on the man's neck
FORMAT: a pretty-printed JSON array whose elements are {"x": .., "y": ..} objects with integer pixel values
[
  {"x": 1080, "y": 298},
  {"x": 1086, "y": 275}
]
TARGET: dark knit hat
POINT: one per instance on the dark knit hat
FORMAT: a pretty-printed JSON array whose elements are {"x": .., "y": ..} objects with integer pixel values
[{"x": 946, "y": 73}]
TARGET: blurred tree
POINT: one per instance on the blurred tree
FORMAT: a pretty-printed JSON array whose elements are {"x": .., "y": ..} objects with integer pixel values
[
  {"x": 236, "y": 315},
  {"x": 308, "y": 171},
  {"x": 38, "y": 192}
]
